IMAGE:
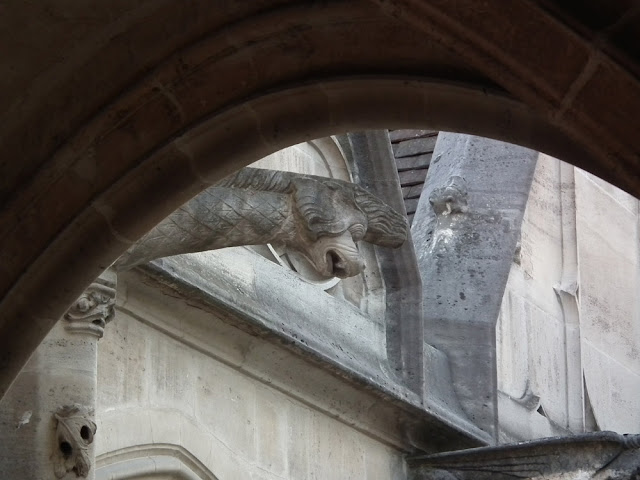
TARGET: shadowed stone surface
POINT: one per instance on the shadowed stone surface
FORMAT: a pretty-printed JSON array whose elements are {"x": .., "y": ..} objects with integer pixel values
[{"x": 602, "y": 456}]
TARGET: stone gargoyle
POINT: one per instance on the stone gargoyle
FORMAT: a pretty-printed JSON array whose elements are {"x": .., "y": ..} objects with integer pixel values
[{"x": 321, "y": 218}]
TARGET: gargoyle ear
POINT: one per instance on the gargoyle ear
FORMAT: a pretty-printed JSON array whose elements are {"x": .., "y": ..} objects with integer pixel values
[
  {"x": 385, "y": 226},
  {"x": 388, "y": 232}
]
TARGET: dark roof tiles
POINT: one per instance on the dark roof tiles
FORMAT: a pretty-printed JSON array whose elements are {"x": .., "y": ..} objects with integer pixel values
[{"x": 412, "y": 150}]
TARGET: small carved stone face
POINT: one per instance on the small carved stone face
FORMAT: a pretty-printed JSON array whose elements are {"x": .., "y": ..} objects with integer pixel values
[
  {"x": 75, "y": 431},
  {"x": 452, "y": 198}
]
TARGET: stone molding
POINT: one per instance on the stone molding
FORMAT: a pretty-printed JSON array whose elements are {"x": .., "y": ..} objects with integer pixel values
[
  {"x": 151, "y": 461},
  {"x": 600, "y": 455},
  {"x": 94, "y": 308}
]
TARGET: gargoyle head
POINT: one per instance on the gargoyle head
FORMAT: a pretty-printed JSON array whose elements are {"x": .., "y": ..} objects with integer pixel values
[
  {"x": 452, "y": 198},
  {"x": 334, "y": 216}
]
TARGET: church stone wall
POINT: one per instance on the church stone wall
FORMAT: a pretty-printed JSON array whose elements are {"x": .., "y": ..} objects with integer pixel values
[
  {"x": 568, "y": 335},
  {"x": 608, "y": 243},
  {"x": 171, "y": 374}
]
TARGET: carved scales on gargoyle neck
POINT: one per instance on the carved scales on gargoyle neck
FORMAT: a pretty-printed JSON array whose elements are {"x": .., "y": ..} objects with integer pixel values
[{"x": 320, "y": 218}]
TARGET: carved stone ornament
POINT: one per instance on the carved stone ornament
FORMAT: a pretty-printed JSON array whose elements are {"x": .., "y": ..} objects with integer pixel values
[
  {"x": 95, "y": 307},
  {"x": 452, "y": 198},
  {"x": 596, "y": 456},
  {"x": 320, "y": 218},
  {"x": 74, "y": 433}
]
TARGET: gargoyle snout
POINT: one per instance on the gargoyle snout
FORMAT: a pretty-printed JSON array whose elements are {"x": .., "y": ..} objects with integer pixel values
[{"x": 342, "y": 266}]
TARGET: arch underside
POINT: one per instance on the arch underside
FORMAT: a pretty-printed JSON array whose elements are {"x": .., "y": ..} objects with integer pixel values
[{"x": 104, "y": 141}]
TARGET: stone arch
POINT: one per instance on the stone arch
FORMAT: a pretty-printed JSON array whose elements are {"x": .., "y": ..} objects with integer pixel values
[
  {"x": 154, "y": 141},
  {"x": 151, "y": 461}
]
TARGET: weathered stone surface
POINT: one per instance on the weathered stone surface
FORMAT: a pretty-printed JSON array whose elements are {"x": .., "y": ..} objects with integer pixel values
[
  {"x": 74, "y": 433},
  {"x": 64, "y": 366},
  {"x": 150, "y": 461},
  {"x": 408, "y": 355},
  {"x": 608, "y": 252},
  {"x": 320, "y": 157},
  {"x": 467, "y": 225},
  {"x": 567, "y": 330},
  {"x": 320, "y": 218},
  {"x": 258, "y": 293},
  {"x": 538, "y": 329},
  {"x": 602, "y": 456}
]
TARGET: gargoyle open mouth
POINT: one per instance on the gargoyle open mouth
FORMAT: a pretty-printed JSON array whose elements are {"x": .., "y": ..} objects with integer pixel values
[
  {"x": 337, "y": 266},
  {"x": 334, "y": 257}
]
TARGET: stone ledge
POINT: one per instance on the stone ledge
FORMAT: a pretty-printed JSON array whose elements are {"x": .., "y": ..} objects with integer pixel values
[{"x": 361, "y": 397}]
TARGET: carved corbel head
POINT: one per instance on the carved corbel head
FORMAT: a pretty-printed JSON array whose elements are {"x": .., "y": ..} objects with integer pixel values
[
  {"x": 94, "y": 308},
  {"x": 74, "y": 433},
  {"x": 452, "y": 198}
]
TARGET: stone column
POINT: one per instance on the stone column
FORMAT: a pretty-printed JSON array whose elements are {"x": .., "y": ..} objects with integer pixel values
[
  {"x": 466, "y": 226},
  {"x": 47, "y": 416}
]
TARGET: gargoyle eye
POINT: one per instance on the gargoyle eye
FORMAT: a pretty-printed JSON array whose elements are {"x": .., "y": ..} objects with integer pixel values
[{"x": 357, "y": 231}]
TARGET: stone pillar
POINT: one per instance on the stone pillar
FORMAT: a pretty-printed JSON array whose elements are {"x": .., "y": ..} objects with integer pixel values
[
  {"x": 567, "y": 293},
  {"x": 466, "y": 226},
  {"x": 47, "y": 416}
]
